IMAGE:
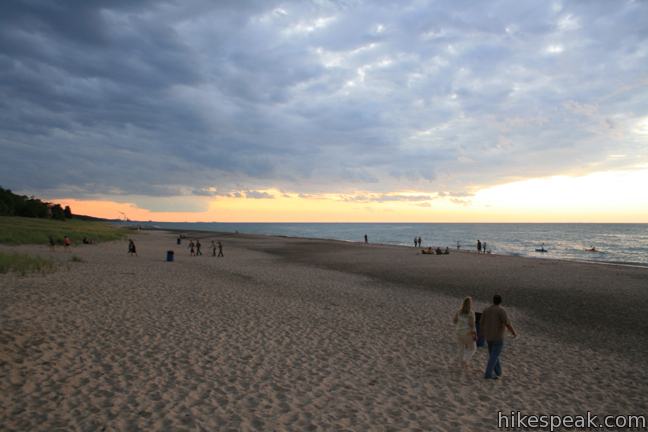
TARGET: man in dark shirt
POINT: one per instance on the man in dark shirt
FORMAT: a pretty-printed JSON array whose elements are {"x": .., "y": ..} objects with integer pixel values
[{"x": 492, "y": 325}]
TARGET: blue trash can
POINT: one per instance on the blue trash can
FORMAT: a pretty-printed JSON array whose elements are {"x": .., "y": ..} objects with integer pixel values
[
  {"x": 169, "y": 255},
  {"x": 480, "y": 339}
]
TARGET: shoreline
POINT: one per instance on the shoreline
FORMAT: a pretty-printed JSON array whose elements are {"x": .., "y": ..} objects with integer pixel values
[
  {"x": 225, "y": 233},
  {"x": 542, "y": 279}
]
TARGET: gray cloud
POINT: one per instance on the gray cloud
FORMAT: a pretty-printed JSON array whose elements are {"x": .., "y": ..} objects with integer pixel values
[
  {"x": 258, "y": 195},
  {"x": 387, "y": 198},
  {"x": 251, "y": 194},
  {"x": 174, "y": 98}
]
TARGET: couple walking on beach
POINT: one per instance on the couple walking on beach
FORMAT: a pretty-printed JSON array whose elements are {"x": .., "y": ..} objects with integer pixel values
[{"x": 492, "y": 325}]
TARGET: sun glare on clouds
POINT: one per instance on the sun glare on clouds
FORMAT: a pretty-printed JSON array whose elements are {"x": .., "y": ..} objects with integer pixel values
[{"x": 597, "y": 197}]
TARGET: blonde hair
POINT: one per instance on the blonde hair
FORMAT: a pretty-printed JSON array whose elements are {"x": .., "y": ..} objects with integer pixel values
[{"x": 466, "y": 306}]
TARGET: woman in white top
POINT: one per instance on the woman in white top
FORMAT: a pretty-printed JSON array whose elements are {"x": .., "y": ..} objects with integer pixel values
[{"x": 464, "y": 321}]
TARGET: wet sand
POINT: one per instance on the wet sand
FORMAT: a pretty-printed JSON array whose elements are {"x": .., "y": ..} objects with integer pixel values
[{"x": 296, "y": 334}]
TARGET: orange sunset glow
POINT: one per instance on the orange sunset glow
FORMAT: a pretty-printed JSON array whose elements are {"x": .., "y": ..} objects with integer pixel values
[{"x": 599, "y": 197}]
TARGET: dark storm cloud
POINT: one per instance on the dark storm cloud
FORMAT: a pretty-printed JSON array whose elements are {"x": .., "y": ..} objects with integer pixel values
[{"x": 161, "y": 99}]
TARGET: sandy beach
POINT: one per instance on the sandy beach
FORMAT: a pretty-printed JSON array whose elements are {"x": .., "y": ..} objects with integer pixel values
[{"x": 309, "y": 335}]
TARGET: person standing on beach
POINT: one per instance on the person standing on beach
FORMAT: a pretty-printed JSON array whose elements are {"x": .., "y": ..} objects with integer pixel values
[
  {"x": 484, "y": 247},
  {"x": 494, "y": 321},
  {"x": 198, "y": 246},
  {"x": 420, "y": 241},
  {"x": 132, "y": 250},
  {"x": 366, "y": 239},
  {"x": 213, "y": 248},
  {"x": 220, "y": 249},
  {"x": 464, "y": 321},
  {"x": 415, "y": 241},
  {"x": 478, "y": 246},
  {"x": 192, "y": 251}
]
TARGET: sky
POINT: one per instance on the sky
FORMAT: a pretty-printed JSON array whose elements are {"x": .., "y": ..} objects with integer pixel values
[{"x": 331, "y": 111}]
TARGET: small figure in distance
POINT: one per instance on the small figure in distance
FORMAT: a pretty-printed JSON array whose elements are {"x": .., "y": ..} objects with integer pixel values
[
  {"x": 179, "y": 239},
  {"x": 198, "y": 246},
  {"x": 52, "y": 243},
  {"x": 213, "y": 248},
  {"x": 415, "y": 241},
  {"x": 220, "y": 249},
  {"x": 420, "y": 241},
  {"x": 439, "y": 251},
  {"x": 85, "y": 240},
  {"x": 66, "y": 243},
  {"x": 494, "y": 321},
  {"x": 446, "y": 251},
  {"x": 464, "y": 320},
  {"x": 484, "y": 247},
  {"x": 427, "y": 251},
  {"x": 132, "y": 250},
  {"x": 479, "y": 247},
  {"x": 192, "y": 250},
  {"x": 366, "y": 239},
  {"x": 458, "y": 245}
]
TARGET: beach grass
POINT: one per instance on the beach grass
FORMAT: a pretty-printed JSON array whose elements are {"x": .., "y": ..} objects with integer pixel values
[
  {"x": 24, "y": 264},
  {"x": 21, "y": 230}
]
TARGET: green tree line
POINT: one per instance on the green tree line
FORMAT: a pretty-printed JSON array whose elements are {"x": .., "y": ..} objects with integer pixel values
[{"x": 12, "y": 204}]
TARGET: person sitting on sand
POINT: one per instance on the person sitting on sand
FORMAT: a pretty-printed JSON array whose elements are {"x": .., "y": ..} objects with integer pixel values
[
  {"x": 464, "y": 320},
  {"x": 494, "y": 321},
  {"x": 438, "y": 251},
  {"x": 427, "y": 251},
  {"x": 132, "y": 250}
]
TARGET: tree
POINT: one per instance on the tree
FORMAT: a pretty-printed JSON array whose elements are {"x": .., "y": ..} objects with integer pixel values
[
  {"x": 57, "y": 212},
  {"x": 24, "y": 206}
]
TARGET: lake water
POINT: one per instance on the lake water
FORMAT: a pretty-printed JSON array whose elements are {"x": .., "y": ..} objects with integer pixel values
[{"x": 620, "y": 243}]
